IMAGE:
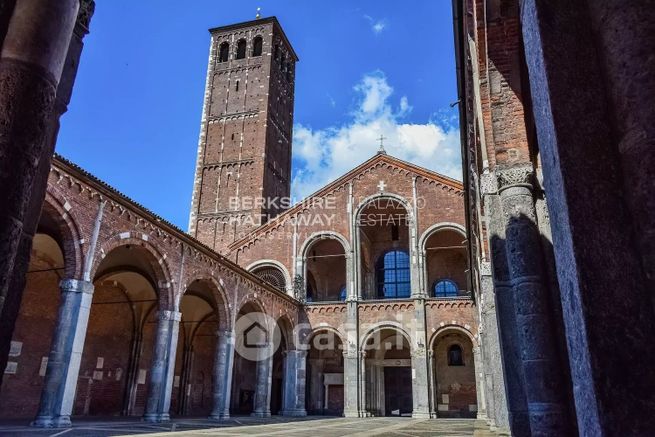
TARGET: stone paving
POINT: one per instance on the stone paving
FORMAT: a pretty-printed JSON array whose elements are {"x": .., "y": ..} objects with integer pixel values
[{"x": 275, "y": 426}]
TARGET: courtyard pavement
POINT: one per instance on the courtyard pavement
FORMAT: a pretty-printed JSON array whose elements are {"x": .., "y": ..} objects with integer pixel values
[{"x": 316, "y": 426}]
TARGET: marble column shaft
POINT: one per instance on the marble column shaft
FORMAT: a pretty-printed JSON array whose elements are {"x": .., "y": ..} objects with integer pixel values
[
  {"x": 163, "y": 365},
  {"x": 223, "y": 367},
  {"x": 63, "y": 367},
  {"x": 262, "y": 400},
  {"x": 295, "y": 374}
]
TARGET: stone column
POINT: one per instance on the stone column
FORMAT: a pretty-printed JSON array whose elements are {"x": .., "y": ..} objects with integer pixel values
[
  {"x": 65, "y": 355},
  {"x": 295, "y": 374},
  {"x": 420, "y": 373},
  {"x": 362, "y": 407},
  {"x": 495, "y": 395},
  {"x": 597, "y": 174},
  {"x": 432, "y": 384},
  {"x": 32, "y": 59},
  {"x": 542, "y": 367},
  {"x": 262, "y": 400},
  {"x": 504, "y": 304},
  {"x": 350, "y": 384},
  {"x": 223, "y": 367},
  {"x": 479, "y": 384},
  {"x": 163, "y": 366}
]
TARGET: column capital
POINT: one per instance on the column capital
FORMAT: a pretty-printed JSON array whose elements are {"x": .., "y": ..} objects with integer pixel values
[
  {"x": 75, "y": 286},
  {"x": 521, "y": 176}
]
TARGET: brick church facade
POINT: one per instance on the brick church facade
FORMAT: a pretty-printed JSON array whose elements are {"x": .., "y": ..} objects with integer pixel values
[
  {"x": 364, "y": 288},
  {"x": 523, "y": 295}
]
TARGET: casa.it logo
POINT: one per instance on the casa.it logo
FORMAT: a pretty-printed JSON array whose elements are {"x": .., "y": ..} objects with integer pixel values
[{"x": 257, "y": 336}]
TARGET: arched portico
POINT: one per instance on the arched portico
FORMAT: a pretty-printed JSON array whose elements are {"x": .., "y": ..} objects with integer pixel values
[
  {"x": 326, "y": 266},
  {"x": 387, "y": 375}
]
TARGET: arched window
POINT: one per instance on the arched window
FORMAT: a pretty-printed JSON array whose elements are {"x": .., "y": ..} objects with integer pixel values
[
  {"x": 223, "y": 52},
  {"x": 455, "y": 356},
  {"x": 393, "y": 275},
  {"x": 342, "y": 293},
  {"x": 257, "y": 46},
  {"x": 273, "y": 276},
  {"x": 241, "y": 49},
  {"x": 445, "y": 288}
]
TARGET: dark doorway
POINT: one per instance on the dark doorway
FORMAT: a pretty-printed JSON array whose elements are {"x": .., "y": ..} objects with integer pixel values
[{"x": 398, "y": 391}]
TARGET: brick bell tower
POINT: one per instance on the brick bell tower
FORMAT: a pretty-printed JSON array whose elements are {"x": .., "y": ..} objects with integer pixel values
[{"x": 244, "y": 150}]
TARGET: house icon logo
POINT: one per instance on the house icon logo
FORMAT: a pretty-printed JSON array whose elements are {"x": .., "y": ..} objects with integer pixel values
[{"x": 257, "y": 336}]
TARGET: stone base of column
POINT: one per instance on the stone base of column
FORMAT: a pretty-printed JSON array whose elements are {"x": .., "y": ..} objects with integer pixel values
[
  {"x": 261, "y": 414},
  {"x": 156, "y": 417},
  {"x": 300, "y": 412},
  {"x": 52, "y": 422},
  {"x": 219, "y": 416},
  {"x": 351, "y": 413},
  {"x": 421, "y": 415}
]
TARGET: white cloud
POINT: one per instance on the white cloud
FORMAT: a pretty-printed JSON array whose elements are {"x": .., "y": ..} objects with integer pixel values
[
  {"x": 326, "y": 154},
  {"x": 377, "y": 26}
]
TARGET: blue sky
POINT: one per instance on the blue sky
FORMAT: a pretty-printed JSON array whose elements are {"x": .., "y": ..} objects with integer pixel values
[{"x": 366, "y": 68}]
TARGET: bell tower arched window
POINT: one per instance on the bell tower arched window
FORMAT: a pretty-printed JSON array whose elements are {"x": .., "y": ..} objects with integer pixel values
[
  {"x": 223, "y": 52},
  {"x": 241, "y": 49},
  {"x": 257, "y": 46}
]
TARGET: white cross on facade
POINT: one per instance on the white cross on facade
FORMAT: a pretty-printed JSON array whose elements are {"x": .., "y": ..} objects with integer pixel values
[{"x": 382, "y": 185}]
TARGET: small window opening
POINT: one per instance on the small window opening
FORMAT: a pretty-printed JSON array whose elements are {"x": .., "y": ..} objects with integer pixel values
[
  {"x": 241, "y": 49},
  {"x": 223, "y": 52},
  {"x": 257, "y": 46},
  {"x": 455, "y": 357},
  {"x": 236, "y": 88}
]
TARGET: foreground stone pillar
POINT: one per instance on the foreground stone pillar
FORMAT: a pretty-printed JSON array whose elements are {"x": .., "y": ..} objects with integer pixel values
[
  {"x": 295, "y": 371},
  {"x": 607, "y": 304},
  {"x": 506, "y": 317},
  {"x": 223, "y": 367},
  {"x": 163, "y": 366},
  {"x": 34, "y": 49},
  {"x": 56, "y": 405},
  {"x": 542, "y": 369},
  {"x": 262, "y": 400}
]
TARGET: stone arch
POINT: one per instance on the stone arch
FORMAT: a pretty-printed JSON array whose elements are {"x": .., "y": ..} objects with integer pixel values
[
  {"x": 288, "y": 286},
  {"x": 309, "y": 241},
  {"x": 424, "y": 265},
  {"x": 453, "y": 386},
  {"x": 366, "y": 283},
  {"x": 55, "y": 210},
  {"x": 287, "y": 330},
  {"x": 307, "y": 337},
  {"x": 155, "y": 259},
  {"x": 444, "y": 329},
  {"x": 316, "y": 237},
  {"x": 378, "y": 196},
  {"x": 438, "y": 227},
  {"x": 387, "y": 324},
  {"x": 221, "y": 302}
]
